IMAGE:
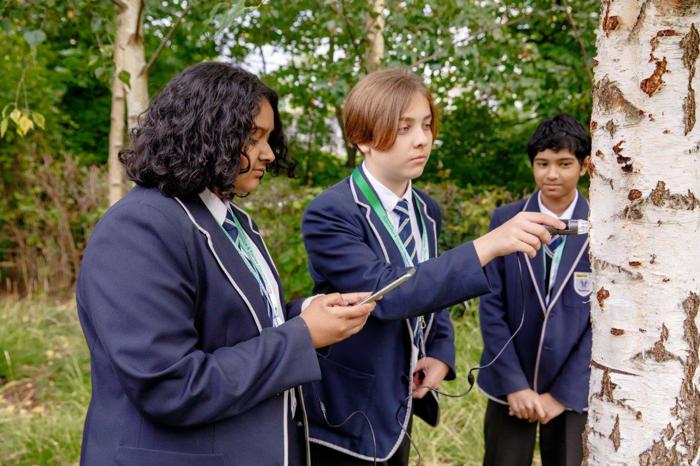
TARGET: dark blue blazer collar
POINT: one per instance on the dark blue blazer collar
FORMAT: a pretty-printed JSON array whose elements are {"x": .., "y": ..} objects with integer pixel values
[
  {"x": 391, "y": 251},
  {"x": 228, "y": 258}
]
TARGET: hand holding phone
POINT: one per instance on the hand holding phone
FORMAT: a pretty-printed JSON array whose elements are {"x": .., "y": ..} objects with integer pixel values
[{"x": 399, "y": 281}]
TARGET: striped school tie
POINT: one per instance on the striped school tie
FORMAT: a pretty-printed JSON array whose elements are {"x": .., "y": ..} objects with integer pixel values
[
  {"x": 409, "y": 242},
  {"x": 405, "y": 230}
]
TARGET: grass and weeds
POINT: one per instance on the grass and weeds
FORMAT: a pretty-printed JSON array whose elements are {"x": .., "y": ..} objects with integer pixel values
[{"x": 45, "y": 390}]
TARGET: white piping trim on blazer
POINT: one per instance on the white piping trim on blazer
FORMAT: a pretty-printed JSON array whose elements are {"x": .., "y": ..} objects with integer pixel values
[
  {"x": 248, "y": 305},
  {"x": 435, "y": 249},
  {"x": 546, "y": 309},
  {"x": 408, "y": 408}
]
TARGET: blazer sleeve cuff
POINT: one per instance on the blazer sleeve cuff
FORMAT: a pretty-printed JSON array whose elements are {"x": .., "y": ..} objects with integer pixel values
[
  {"x": 444, "y": 351},
  {"x": 474, "y": 277}
]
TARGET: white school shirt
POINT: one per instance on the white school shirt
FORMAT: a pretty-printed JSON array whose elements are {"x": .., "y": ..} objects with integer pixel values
[{"x": 389, "y": 201}]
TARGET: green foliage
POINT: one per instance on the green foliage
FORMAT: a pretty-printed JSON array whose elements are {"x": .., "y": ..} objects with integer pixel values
[{"x": 465, "y": 212}]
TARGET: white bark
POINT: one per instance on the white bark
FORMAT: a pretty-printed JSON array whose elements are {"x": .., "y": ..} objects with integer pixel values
[
  {"x": 375, "y": 36},
  {"x": 117, "y": 120},
  {"x": 645, "y": 236},
  {"x": 134, "y": 61},
  {"x": 129, "y": 56}
]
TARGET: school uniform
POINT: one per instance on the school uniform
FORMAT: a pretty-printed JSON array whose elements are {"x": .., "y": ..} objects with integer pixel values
[
  {"x": 550, "y": 353},
  {"x": 193, "y": 361},
  {"x": 351, "y": 247}
]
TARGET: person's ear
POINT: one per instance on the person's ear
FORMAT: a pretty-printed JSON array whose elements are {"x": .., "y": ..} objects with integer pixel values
[
  {"x": 584, "y": 165},
  {"x": 365, "y": 149}
]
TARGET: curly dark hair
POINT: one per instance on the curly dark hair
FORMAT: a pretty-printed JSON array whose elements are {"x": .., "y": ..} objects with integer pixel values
[{"x": 193, "y": 133}]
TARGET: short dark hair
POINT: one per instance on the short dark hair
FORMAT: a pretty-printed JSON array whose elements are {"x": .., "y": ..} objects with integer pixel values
[
  {"x": 193, "y": 134},
  {"x": 560, "y": 132}
]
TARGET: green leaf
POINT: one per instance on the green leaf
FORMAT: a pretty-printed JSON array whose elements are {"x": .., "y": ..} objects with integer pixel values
[
  {"x": 3, "y": 127},
  {"x": 223, "y": 16},
  {"x": 125, "y": 77},
  {"x": 38, "y": 119},
  {"x": 34, "y": 38}
]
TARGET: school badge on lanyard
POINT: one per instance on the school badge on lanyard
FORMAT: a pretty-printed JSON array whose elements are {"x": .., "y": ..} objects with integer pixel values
[{"x": 583, "y": 283}]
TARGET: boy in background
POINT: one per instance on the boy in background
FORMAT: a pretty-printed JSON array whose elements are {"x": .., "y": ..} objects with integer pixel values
[{"x": 542, "y": 375}]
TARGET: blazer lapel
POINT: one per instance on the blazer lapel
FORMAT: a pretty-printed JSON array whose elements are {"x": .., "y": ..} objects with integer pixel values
[
  {"x": 572, "y": 249},
  {"x": 430, "y": 224},
  {"x": 535, "y": 265},
  {"x": 392, "y": 254},
  {"x": 253, "y": 233},
  {"x": 229, "y": 260}
]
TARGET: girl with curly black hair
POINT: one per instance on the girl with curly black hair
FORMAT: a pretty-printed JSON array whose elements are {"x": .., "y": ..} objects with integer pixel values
[{"x": 195, "y": 357}]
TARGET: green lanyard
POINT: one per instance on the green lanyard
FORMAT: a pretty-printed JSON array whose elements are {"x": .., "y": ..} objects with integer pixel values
[
  {"x": 244, "y": 246},
  {"x": 556, "y": 259},
  {"x": 378, "y": 209}
]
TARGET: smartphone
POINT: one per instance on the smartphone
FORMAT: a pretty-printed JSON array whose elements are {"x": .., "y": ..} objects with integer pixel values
[{"x": 402, "y": 279}]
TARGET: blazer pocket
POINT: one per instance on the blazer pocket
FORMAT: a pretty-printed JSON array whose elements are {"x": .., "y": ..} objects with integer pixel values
[
  {"x": 128, "y": 456},
  {"x": 341, "y": 391}
]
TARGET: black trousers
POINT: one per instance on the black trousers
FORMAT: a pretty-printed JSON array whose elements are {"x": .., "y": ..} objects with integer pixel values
[
  {"x": 511, "y": 441},
  {"x": 324, "y": 456}
]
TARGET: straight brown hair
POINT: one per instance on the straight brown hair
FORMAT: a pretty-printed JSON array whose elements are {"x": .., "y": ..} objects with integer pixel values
[{"x": 374, "y": 107}]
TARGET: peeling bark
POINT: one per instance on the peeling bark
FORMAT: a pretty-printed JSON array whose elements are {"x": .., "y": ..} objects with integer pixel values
[
  {"x": 644, "y": 402},
  {"x": 689, "y": 44}
]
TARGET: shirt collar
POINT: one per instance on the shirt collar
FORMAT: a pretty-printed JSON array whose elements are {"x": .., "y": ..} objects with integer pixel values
[
  {"x": 216, "y": 206},
  {"x": 386, "y": 195},
  {"x": 568, "y": 213}
]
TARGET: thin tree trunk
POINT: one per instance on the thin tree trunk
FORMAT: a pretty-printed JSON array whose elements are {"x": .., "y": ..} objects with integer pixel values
[
  {"x": 645, "y": 236},
  {"x": 117, "y": 119},
  {"x": 129, "y": 87},
  {"x": 135, "y": 62},
  {"x": 375, "y": 36}
]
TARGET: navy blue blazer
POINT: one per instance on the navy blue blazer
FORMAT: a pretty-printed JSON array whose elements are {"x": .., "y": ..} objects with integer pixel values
[
  {"x": 552, "y": 351},
  {"x": 349, "y": 249},
  {"x": 186, "y": 366}
]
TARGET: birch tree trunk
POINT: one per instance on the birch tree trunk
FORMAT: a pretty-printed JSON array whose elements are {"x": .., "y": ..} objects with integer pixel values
[
  {"x": 375, "y": 36},
  {"x": 117, "y": 119},
  {"x": 129, "y": 67},
  {"x": 645, "y": 236}
]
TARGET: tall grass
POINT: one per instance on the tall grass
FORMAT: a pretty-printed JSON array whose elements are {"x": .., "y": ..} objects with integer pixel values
[
  {"x": 44, "y": 383},
  {"x": 45, "y": 390}
]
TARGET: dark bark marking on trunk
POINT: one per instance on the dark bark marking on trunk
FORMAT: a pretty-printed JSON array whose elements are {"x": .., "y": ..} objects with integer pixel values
[
  {"x": 611, "y": 127},
  {"x": 615, "y": 434},
  {"x": 602, "y": 295},
  {"x": 609, "y": 98},
  {"x": 658, "y": 353},
  {"x": 662, "y": 197},
  {"x": 654, "y": 82},
  {"x": 691, "y": 48}
]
